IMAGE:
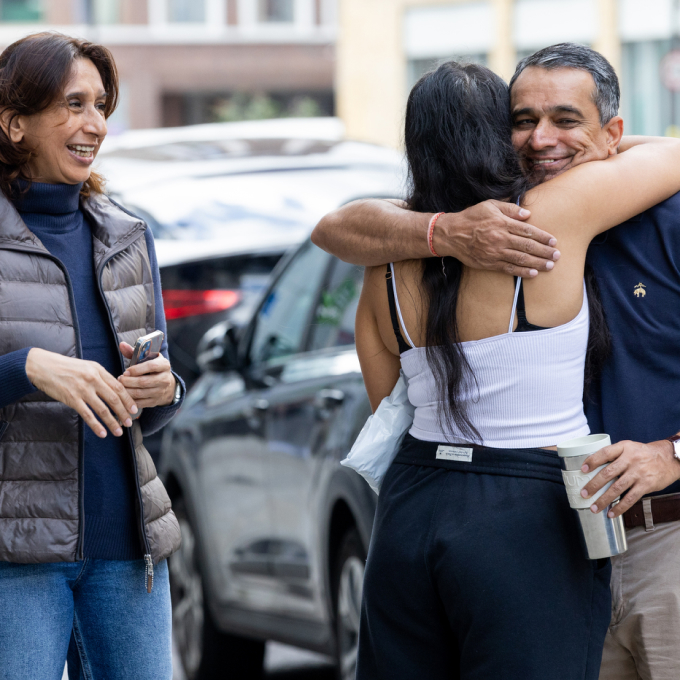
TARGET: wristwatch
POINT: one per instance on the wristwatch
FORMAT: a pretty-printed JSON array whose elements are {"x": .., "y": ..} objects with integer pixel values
[
  {"x": 675, "y": 440},
  {"x": 178, "y": 393}
]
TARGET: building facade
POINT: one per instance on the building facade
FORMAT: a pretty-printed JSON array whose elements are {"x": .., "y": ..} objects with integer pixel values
[
  {"x": 384, "y": 46},
  {"x": 194, "y": 61}
]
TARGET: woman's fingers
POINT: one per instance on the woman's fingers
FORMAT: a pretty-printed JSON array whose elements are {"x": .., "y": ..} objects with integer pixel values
[
  {"x": 151, "y": 382},
  {"x": 89, "y": 389},
  {"x": 126, "y": 349},
  {"x": 114, "y": 403},
  {"x": 148, "y": 403},
  {"x": 145, "y": 394},
  {"x": 85, "y": 386},
  {"x": 83, "y": 410},
  {"x": 158, "y": 365},
  {"x": 122, "y": 402},
  {"x": 103, "y": 413},
  {"x": 143, "y": 382}
]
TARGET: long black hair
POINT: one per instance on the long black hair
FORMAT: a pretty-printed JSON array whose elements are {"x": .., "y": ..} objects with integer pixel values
[{"x": 459, "y": 150}]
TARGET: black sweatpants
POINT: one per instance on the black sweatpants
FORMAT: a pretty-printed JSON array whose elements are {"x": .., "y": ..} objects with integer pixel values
[{"x": 476, "y": 571}]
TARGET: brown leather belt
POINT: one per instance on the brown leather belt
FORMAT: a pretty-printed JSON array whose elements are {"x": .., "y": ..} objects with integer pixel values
[{"x": 653, "y": 510}]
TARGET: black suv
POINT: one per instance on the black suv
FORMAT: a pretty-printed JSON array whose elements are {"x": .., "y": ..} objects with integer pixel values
[{"x": 275, "y": 530}]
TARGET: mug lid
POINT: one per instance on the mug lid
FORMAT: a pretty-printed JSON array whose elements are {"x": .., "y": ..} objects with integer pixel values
[{"x": 582, "y": 446}]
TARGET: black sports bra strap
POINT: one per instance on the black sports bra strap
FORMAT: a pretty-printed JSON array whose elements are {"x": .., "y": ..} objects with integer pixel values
[
  {"x": 523, "y": 324},
  {"x": 403, "y": 346},
  {"x": 521, "y": 308}
]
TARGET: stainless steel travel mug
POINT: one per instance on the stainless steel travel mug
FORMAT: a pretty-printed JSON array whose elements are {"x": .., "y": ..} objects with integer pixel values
[{"x": 603, "y": 536}]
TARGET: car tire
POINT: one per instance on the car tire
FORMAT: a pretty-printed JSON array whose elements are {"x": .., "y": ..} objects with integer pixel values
[
  {"x": 347, "y": 587},
  {"x": 206, "y": 652}
]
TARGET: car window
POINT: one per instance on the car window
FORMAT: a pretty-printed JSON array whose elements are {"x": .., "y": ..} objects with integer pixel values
[
  {"x": 283, "y": 318},
  {"x": 216, "y": 284},
  {"x": 229, "y": 272},
  {"x": 333, "y": 324}
]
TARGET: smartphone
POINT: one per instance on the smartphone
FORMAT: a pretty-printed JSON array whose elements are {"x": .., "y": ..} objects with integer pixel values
[{"x": 147, "y": 347}]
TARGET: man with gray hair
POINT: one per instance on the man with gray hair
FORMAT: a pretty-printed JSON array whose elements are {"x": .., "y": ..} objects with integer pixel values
[{"x": 565, "y": 101}]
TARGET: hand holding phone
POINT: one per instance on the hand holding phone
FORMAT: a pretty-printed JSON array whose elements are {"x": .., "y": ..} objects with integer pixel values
[
  {"x": 148, "y": 378},
  {"x": 147, "y": 347}
]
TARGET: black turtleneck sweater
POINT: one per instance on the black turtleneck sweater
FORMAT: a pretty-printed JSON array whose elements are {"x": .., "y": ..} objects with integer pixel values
[{"x": 52, "y": 212}]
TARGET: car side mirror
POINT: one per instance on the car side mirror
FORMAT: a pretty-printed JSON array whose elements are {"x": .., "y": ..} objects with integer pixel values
[{"x": 217, "y": 349}]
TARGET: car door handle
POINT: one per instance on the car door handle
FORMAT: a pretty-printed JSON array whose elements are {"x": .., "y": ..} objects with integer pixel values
[
  {"x": 261, "y": 405},
  {"x": 255, "y": 413},
  {"x": 328, "y": 399}
]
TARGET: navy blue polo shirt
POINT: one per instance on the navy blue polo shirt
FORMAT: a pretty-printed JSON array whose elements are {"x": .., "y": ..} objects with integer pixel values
[{"x": 637, "y": 266}]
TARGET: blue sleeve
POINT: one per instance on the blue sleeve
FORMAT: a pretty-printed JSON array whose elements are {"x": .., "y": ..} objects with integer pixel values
[
  {"x": 157, "y": 292},
  {"x": 153, "y": 419},
  {"x": 14, "y": 383}
]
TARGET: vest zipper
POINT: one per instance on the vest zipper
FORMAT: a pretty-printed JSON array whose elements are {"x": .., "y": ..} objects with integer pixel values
[
  {"x": 148, "y": 560},
  {"x": 148, "y": 573}
]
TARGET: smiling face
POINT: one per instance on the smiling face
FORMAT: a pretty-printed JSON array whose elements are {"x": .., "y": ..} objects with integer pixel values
[
  {"x": 556, "y": 124},
  {"x": 66, "y": 137}
]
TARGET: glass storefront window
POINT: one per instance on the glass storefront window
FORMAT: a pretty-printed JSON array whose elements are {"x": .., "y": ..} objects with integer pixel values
[
  {"x": 647, "y": 107},
  {"x": 277, "y": 11},
  {"x": 419, "y": 67},
  {"x": 106, "y": 11},
  {"x": 21, "y": 10},
  {"x": 186, "y": 11}
]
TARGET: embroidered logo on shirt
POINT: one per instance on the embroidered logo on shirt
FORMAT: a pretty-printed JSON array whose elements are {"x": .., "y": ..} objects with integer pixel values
[
  {"x": 639, "y": 290},
  {"x": 459, "y": 453}
]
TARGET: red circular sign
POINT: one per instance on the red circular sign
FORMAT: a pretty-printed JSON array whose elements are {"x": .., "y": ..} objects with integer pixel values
[{"x": 670, "y": 71}]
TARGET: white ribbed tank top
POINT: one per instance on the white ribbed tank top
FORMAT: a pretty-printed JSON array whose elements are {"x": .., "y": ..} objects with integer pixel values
[{"x": 528, "y": 386}]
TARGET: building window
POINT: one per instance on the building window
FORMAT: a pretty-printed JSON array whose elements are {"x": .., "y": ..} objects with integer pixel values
[
  {"x": 186, "y": 11},
  {"x": 21, "y": 10},
  {"x": 191, "y": 108},
  {"x": 647, "y": 106},
  {"x": 276, "y": 11},
  {"x": 106, "y": 11},
  {"x": 419, "y": 67}
]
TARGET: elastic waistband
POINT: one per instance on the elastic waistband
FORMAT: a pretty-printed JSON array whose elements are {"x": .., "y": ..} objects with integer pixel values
[{"x": 532, "y": 463}]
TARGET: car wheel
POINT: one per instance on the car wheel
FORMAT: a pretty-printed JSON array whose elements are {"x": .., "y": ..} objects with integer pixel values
[
  {"x": 349, "y": 579},
  {"x": 206, "y": 652}
]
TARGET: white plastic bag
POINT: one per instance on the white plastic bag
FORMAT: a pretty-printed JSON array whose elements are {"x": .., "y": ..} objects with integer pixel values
[{"x": 381, "y": 436}]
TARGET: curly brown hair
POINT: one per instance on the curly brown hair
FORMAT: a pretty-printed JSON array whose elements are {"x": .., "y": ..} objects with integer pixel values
[{"x": 33, "y": 74}]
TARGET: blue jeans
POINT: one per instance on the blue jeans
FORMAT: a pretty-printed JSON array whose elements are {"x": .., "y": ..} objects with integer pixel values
[{"x": 119, "y": 630}]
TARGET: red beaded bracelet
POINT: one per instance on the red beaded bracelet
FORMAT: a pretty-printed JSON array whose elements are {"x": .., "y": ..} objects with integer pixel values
[{"x": 430, "y": 232}]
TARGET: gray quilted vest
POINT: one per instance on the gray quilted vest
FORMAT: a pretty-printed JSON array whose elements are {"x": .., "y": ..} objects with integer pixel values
[{"x": 41, "y": 439}]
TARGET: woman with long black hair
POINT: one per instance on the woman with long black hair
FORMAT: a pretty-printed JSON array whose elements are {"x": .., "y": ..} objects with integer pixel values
[{"x": 475, "y": 568}]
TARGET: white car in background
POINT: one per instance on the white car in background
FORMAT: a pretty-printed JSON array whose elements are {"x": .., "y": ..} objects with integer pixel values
[{"x": 226, "y": 200}]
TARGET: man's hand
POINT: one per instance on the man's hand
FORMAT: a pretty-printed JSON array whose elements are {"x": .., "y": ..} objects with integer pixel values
[
  {"x": 640, "y": 468},
  {"x": 493, "y": 235},
  {"x": 150, "y": 383}
]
